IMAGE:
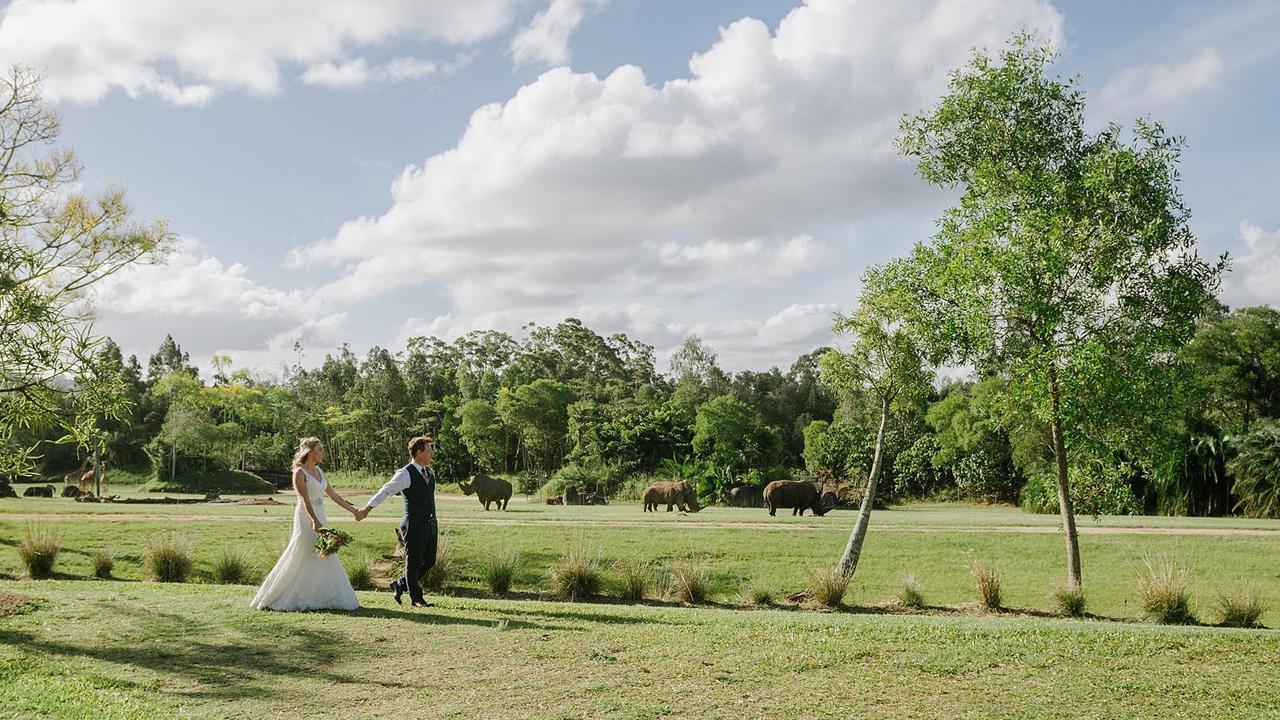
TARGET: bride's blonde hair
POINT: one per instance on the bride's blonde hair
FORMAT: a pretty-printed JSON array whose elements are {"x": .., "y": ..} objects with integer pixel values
[{"x": 305, "y": 446}]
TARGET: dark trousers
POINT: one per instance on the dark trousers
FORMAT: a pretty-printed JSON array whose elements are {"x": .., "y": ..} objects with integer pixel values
[{"x": 419, "y": 555}]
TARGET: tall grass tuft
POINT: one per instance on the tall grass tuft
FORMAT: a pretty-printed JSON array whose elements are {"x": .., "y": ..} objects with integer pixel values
[
  {"x": 232, "y": 567},
  {"x": 577, "y": 576},
  {"x": 360, "y": 572},
  {"x": 168, "y": 558},
  {"x": 760, "y": 593},
  {"x": 689, "y": 581},
  {"x": 104, "y": 562},
  {"x": 829, "y": 587},
  {"x": 1070, "y": 601},
  {"x": 1163, "y": 587},
  {"x": 443, "y": 571},
  {"x": 39, "y": 551},
  {"x": 498, "y": 569},
  {"x": 632, "y": 578},
  {"x": 1241, "y": 608},
  {"x": 910, "y": 595},
  {"x": 987, "y": 580}
]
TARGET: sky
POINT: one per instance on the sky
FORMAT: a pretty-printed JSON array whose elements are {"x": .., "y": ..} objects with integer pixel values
[{"x": 364, "y": 173}]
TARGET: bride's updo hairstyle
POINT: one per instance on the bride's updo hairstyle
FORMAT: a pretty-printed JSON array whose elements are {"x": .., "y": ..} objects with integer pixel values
[{"x": 305, "y": 446}]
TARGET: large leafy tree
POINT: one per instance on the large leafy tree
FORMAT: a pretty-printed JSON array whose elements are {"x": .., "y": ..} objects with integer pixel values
[
  {"x": 55, "y": 244},
  {"x": 885, "y": 366},
  {"x": 1068, "y": 264}
]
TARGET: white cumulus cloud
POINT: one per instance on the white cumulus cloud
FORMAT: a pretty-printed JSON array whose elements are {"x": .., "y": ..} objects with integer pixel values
[
  {"x": 1153, "y": 87},
  {"x": 546, "y": 38},
  {"x": 1255, "y": 272}
]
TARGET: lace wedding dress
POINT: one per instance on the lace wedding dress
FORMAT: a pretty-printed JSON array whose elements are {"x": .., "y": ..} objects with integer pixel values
[{"x": 301, "y": 579}]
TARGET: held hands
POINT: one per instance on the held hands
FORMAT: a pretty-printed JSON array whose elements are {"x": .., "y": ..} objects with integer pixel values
[{"x": 361, "y": 514}]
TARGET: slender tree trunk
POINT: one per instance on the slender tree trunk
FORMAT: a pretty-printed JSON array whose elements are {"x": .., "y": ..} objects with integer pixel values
[
  {"x": 849, "y": 561},
  {"x": 173, "y": 460},
  {"x": 1064, "y": 484}
]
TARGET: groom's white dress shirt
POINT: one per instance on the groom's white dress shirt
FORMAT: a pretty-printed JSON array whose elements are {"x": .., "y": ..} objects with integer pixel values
[{"x": 396, "y": 484}]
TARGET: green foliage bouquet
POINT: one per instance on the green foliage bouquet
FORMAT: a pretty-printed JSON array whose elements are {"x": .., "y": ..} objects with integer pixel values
[{"x": 329, "y": 540}]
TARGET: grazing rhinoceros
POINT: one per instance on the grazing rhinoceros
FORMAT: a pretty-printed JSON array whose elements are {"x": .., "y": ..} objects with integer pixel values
[
  {"x": 488, "y": 490},
  {"x": 799, "y": 495},
  {"x": 672, "y": 494}
]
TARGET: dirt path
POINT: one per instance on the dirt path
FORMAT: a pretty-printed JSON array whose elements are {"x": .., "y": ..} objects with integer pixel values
[{"x": 501, "y": 521}]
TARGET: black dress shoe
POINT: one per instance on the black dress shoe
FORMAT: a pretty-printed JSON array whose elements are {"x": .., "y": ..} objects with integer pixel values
[
  {"x": 399, "y": 592},
  {"x": 421, "y": 603}
]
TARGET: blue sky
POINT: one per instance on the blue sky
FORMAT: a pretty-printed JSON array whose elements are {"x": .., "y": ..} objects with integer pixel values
[{"x": 738, "y": 197}]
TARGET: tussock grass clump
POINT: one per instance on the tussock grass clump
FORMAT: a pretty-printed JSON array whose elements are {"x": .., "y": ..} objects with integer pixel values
[
  {"x": 632, "y": 578},
  {"x": 1163, "y": 588},
  {"x": 1241, "y": 608},
  {"x": 104, "y": 562},
  {"x": 987, "y": 580},
  {"x": 168, "y": 558},
  {"x": 689, "y": 581},
  {"x": 760, "y": 593},
  {"x": 232, "y": 567},
  {"x": 829, "y": 587},
  {"x": 1069, "y": 600},
  {"x": 445, "y": 568},
  {"x": 498, "y": 569},
  {"x": 910, "y": 595},
  {"x": 39, "y": 551},
  {"x": 360, "y": 572},
  {"x": 577, "y": 576}
]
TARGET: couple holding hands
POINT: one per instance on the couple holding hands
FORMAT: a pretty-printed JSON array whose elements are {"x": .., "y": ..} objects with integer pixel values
[{"x": 305, "y": 580}]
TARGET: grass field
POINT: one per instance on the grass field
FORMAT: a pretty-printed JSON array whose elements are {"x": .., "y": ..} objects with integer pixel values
[{"x": 144, "y": 650}]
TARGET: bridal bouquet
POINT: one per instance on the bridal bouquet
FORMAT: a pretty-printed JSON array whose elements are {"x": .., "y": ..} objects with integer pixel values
[{"x": 330, "y": 540}]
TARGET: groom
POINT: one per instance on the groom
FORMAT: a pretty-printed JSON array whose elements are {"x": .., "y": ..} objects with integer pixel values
[{"x": 417, "y": 484}]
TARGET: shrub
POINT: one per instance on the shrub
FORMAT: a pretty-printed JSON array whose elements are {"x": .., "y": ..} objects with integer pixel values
[
  {"x": 987, "y": 581},
  {"x": 442, "y": 572},
  {"x": 910, "y": 595},
  {"x": 689, "y": 581},
  {"x": 1241, "y": 609},
  {"x": 231, "y": 567},
  {"x": 103, "y": 563},
  {"x": 360, "y": 572},
  {"x": 1097, "y": 490},
  {"x": 829, "y": 587},
  {"x": 632, "y": 578},
  {"x": 1256, "y": 468},
  {"x": 577, "y": 576},
  {"x": 168, "y": 558},
  {"x": 226, "y": 482},
  {"x": 1163, "y": 587},
  {"x": 39, "y": 551},
  {"x": 1070, "y": 600},
  {"x": 498, "y": 569},
  {"x": 760, "y": 593}
]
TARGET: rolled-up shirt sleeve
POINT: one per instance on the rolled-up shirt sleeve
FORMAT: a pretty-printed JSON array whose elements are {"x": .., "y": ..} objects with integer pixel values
[{"x": 393, "y": 486}]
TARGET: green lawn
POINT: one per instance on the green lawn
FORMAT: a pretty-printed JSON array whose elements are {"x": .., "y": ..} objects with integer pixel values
[
  {"x": 144, "y": 650},
  {"x": 738, "y": 546}
]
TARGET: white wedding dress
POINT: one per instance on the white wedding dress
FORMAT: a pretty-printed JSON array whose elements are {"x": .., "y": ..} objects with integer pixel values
[{"x": 301, "y": 579}]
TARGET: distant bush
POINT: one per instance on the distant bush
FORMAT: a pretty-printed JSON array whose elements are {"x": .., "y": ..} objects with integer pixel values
[
  {"x": 829, "y": 587},
  {"x": 225, "y": 482},
  {"x": 587, "y": 478},
  {"x": 689, "y": 581},
  {"x": 231, "y": 567},
  {"x": 1163, "y": 588},
  {"x": 103, "y": 564},
  {"x": 1098, "y": 491},
  {"x": 910, "y": 595},
  {"x": 360, "y": 573},
  {"x": 1070, "y": 601},
  {"x": 1241, "y": 609},
  {"x": 760, "y": 593},
  {"x": 577, "y": 576},
  {"x": 632, "y": 578},
  {"x": 1256, "y": 468},
  {"x": 168, "y": 558},
  {"x": 498, "y": 569},
  {"x": 39, "y": 551},
  {"x": 987, "y": 581}
]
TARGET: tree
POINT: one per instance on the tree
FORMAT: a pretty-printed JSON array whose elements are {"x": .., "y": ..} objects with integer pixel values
[
  {"x": 539, "y": 413},
  {"x": 1068, "y": 264},
  {"x": 733, "y": 436},
  {"x": 55, "y": 244},
  {"x": 886, "y": 366},
  {"x": 1237, "y": 362},
  {"x": 483, "y": 434},
  {"x": 169, "y": 358}
]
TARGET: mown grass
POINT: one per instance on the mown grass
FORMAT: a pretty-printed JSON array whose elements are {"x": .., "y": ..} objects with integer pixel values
[
  {"x": 113, "y": 650},
  {"x": 738, "y": 546}
]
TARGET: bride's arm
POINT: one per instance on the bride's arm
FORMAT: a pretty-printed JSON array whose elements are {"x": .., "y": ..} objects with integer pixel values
[
  {"x": 333, "y": 494},
  {"x": 300, "y": 487}
]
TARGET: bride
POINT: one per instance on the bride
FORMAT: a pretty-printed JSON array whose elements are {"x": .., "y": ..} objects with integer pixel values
[{"x": 301, "y": 579}]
